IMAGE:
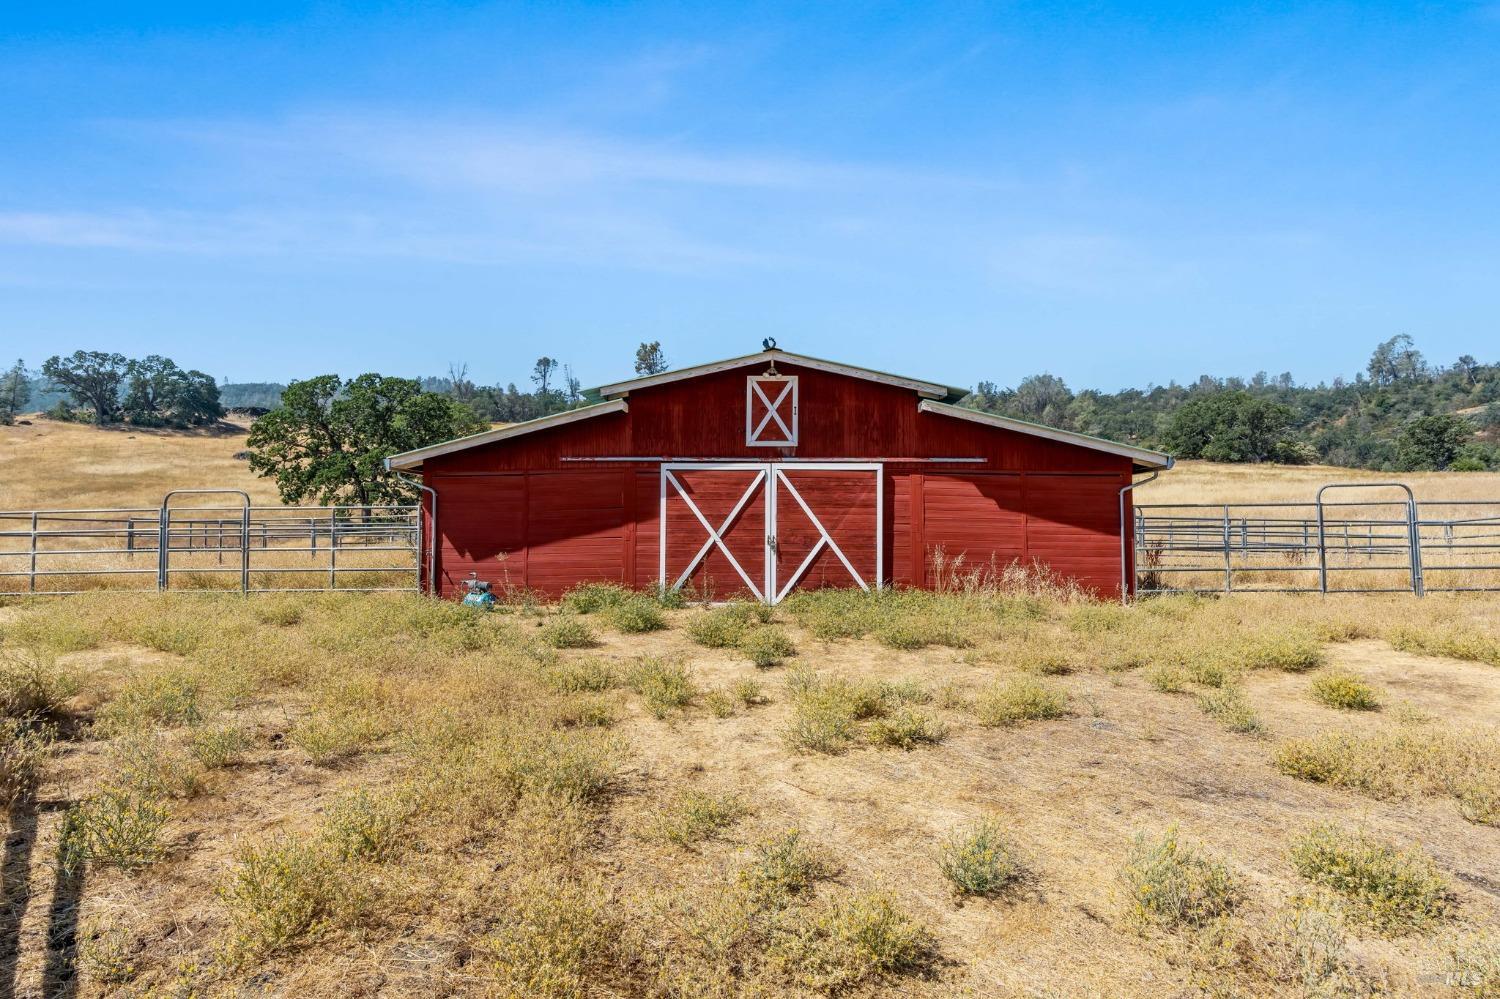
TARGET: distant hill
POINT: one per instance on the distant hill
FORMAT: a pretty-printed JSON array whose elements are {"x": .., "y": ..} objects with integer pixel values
[{"x": 250, "y": 395}]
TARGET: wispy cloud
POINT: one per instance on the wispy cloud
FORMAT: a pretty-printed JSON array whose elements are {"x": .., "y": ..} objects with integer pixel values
[{"x": 483, "y": 192}]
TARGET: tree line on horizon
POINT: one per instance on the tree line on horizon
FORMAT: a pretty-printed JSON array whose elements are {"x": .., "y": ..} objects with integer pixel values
[{"x": 1399, "y": 414}]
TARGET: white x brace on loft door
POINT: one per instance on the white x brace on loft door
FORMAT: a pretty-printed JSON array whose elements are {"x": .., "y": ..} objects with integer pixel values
[{"x": 767, "y": 528}]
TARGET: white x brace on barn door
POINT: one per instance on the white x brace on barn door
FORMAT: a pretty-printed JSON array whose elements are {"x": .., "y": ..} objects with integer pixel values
[{"x": 771, "y": 526}]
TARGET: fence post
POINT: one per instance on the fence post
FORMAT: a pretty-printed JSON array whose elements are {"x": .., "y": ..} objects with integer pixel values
[
  {"x": 1228, "y": 570},
  {"x": 31, "y": 575},
  {"x": 244, "y": 551},
  {"x": 1322, "y": 548},
  {"x": 333, "y": 550},
  {"x": 162, "y": 545},
  {"x": 1414, "y": 535}
]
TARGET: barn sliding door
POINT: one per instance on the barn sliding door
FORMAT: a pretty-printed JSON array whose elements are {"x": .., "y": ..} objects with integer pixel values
[
  {"x": 763, "y": 529},
  {"x": 715, "y": 519},
  {"x": 826, "y": 526}
]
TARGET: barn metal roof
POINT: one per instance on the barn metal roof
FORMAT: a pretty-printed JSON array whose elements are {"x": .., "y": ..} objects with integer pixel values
[
  {"x": 932, "y": 390},
  {"x": 411, "y": 459},
  {"x": 1143, "y": 459}
]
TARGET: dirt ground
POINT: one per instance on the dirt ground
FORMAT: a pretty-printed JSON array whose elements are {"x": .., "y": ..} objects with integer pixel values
[{"x": 1071, "y": 791}]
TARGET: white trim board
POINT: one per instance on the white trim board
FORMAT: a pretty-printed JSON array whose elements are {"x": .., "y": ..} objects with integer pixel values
[
  {"x": 410, "y": 459},
  {"x": 1140, "y": 456},
  {"x": 931, "y": 390}
]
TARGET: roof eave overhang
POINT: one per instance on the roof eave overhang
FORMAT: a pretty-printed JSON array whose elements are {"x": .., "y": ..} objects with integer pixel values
[
  {"x": 412, "y": 460},
  {"x": 1142, "y": 460},
  {"x": 928, "y": 390}
]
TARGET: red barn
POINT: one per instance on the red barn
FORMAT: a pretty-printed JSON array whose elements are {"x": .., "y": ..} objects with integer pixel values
[{"x": 771, "y": 472}]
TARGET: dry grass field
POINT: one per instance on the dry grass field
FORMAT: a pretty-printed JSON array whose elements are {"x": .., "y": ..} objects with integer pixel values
[
  {"x": 50, "y": 465},
  {"x": 1209, "y": 482},
  {"x": 1007, "y": 792},
  {"x": 994, "y": 794}
]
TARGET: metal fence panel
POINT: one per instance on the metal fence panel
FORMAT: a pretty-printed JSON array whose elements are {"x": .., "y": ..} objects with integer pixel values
[
  {"x": 1328, "y": 545},
  {"x": 240, "y": 547}
]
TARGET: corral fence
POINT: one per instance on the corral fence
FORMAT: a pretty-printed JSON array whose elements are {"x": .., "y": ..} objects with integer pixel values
[
  {"x": 182, "y": 545},
  {"x": 1336, "y": 543}
]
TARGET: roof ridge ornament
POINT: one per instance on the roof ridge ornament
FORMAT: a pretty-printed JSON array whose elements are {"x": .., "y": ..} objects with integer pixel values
[{"x": 769, "y": 343}]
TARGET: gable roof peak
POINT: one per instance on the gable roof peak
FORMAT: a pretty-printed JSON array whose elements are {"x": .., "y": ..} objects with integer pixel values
[{"x": 772, "y": 353}]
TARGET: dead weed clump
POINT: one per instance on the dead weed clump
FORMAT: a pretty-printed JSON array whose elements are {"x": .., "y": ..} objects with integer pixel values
[
  {"x": 1404, "y": 759},
  {"x": 664, "y": 685},
  {"x": 694, "y": 816},
  {"x": 1391, "y": 890},
  {"x": 1170, "y": 884},
  {"x": 828, "y": 714},
  {"x": 1022, "y": 699}
]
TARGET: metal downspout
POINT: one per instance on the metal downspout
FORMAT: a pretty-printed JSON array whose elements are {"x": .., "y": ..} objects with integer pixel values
[
  {"x": 432, "y": 544},
  {"x": 1125, "y": 537}
]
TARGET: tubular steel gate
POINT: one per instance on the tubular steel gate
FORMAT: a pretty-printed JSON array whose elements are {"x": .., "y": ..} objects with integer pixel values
[
  {"x": 1329, "y": 545},
  {"x": 236, "y": 547}
]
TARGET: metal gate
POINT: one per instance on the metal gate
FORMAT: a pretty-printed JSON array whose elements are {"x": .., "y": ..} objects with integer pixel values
[
  {"x": 238, "y": 547},
  {"x": 1331, "y": 545}
]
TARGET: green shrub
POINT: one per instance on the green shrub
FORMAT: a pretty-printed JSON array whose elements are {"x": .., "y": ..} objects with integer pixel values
[
  {"x": 725, "y": 627},
  {"x": 1170, "y": 884},
  {"x": 748, "y": 692},
  {"x": 907, "y": 728},
  {"x": 555, "y": 938},
  {"x": 585, "y": 712},
  {"x": 1466, "y": 642},
  {"x": 784, "y": 865},
  {"x": 32, "y": 685},
  {"x": 282, "y": 894},
  {"x": 1339, "y": 689},
  {"x": 23, "y": 748},
  {"x": 978, "y": 860},
  {"x": 850, "y": 942},
  {"x": 149, "y": 764},
  {"x": 825, "y": 711},
  {"x": 766, "y": 647},
  {"x": 1169, "y": 678},
  {"x": 364, "y": 826},
  {"x": 636, "y": 616},
  {"x": 663, "y": 684},
  {"x": 905, "y": 692},
  {"x": 1394, "y": 762},
  {"x": 218, "y": 746},
  {"x": 282, "y": 612},
  {"x": 1228, "y": 706},
  {"x": 330, "y": 735},
  {"x": 1389, "y": 889},
  {"x": 697, "y": 815},
  {"x": 719, "y": 703},
  {"x": 568, "y": 632},
  {"x": 1011, "y": 702},
  {"x": 162, "y": 697},
  {"x": 900, "y": 633},
  {"x": 574, "y": 676},
  {"x": 119, "y": 827},
  {"x": 1042, "y": 661},
  {"x": 590, "y": 598},
  {"x": 1289, "y": 651}
]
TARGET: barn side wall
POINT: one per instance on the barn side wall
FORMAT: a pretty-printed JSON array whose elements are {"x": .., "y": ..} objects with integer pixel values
[{"x": 519, "y": 514}]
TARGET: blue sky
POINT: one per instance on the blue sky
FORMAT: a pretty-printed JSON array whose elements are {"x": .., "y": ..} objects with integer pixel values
[{"x": 1115, "y": 194}]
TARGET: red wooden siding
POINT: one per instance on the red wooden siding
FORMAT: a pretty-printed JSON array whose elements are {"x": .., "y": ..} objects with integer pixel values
[{"x": 518, "y": 514}]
